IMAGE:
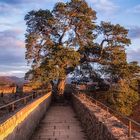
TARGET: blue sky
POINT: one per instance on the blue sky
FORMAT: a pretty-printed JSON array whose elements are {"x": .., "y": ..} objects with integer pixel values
[{"x": 13, "y": 28}]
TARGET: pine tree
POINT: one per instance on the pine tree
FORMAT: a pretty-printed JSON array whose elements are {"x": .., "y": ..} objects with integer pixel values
[
  {"x": 54, "y": 40},
  {"x": 60, "y": 41}
]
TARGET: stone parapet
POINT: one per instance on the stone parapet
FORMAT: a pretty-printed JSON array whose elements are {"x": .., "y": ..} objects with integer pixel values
[
  {"x": 98, "y": 123},
  {"x": 8, "y": 89},
  {"x": 22, "y": 124}
]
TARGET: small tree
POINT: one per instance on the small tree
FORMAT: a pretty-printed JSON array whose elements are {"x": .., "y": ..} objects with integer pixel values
[{"x": 122, "y": 97}]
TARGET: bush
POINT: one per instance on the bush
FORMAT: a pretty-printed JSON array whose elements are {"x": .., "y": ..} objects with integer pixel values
[{"x": 122, "y": 98}]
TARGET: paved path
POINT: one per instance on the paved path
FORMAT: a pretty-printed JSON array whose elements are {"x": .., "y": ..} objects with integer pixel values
[{"x": 60, "y": 123}]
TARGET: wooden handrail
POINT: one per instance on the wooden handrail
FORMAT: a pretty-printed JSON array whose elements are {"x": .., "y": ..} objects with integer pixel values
[
  {"x": 110, "y": 109},
  {"x": 130, "y": 121},
  {"x": 18, "y": 100},
  {"x": 10, "y": 124}
]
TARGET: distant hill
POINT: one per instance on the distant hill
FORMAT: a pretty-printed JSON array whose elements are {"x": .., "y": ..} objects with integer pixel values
[{"x": 10, "y": 80}]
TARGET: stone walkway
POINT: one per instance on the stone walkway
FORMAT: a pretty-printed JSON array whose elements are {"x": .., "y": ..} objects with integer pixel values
[{"x": 60, "y": 123}]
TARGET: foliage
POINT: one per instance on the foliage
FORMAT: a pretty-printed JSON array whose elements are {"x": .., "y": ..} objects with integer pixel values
[
  {"x": 123, "y": 95},
  {"x": 122, "y": 98},
  {"x": 112, "y": 49},
  {"x": 67, "y": 40},
  {"x": 54, "y": 39}
]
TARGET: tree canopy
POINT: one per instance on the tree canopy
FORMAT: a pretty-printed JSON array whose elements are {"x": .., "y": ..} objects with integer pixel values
[
  {"x": 67, "y": 39},
  {"x": 55, "y": 39}
]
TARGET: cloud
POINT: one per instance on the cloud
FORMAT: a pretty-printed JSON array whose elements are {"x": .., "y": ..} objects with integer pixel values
[
  {"x": 19, "y": 73},
  {"x": 6, "y": 24},
  {"x": 6, "y": 9},
  {"x": 12, "y": 2},
  {"x": 20, "y": 7},
  {"x": 11, "y": 44},
  {"x": 12, "y": 52},
  {"x": 12, "y": 38},
  {"x": 106, "y": 6},
  {"x": 134, "y": 10},
  {"x": 133, "y": 55},
  {"x": 134, "y": 32},
  {"x": 15, "y": 70},
  {"x": 19, "y": 2}
]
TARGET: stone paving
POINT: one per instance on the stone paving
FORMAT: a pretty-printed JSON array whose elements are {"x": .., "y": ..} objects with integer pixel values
[{"x": 59, "y": 123}]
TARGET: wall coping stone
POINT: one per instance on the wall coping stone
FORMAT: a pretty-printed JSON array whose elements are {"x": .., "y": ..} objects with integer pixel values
[
  {"x": 113, "y": 125},
  {"x": 8, "y": 126}
]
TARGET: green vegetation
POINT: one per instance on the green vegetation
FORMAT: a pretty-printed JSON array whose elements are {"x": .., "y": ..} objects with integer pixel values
[
  {"x": 66, "y": 41},
  {"x": 122, "y": 97},
  {"x": 55, "y": 40}
]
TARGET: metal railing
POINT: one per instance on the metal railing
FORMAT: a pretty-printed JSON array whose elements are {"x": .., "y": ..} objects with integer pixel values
[
  {"x": 12, "y": 105},
  {"x": 110, "y": 110}
]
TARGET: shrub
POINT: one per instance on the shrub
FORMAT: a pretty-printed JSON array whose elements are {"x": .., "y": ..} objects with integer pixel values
[{"x": 122, "y": 98}]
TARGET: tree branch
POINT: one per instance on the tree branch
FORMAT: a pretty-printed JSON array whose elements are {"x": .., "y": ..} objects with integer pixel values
[{"x": 61, "y": 37}]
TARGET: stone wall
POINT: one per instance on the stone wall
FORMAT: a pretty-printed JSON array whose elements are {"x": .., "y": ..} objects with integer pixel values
[
  {"x": 27, "y": 89},
  {"x": 8, "y": 89},
  {"x": 98, "y": 123},
  {"x": 21, "y": 125}
]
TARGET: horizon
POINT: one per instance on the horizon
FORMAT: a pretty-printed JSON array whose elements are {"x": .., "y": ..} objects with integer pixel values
[{"x": 13, "y": 28}]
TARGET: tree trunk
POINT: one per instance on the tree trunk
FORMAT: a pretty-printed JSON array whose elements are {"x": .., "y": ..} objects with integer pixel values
[{"x": 61, "y": 87}]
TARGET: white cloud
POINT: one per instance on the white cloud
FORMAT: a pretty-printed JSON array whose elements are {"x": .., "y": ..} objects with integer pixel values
[
  {"x": 11, "y": 38},
  {"x": 7, "y": 9},
  {"x": 13, "y": 2},
  {"x": 106, "y": 6},
  {"x": 13, "y": 70},
  {"x": 12, "y": 53},
  {"x": 134, "y": 32},
  {"x": 13, "y": 73},
  {"x": 133, "y": 55},
  {"x": 135, "y": 9}
]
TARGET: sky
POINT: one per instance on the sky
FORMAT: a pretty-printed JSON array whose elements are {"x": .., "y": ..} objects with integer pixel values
[{"x": 13, "y": 28}]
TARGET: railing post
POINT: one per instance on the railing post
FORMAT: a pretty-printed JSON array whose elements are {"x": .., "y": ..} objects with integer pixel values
[
  {"x": 129, "y": 128},
  {"x": 25, "y": 101},
  {"x": 35, "y": 95},
  {"x": 96, "y": 103},
  {"x": 13, "y": 107},
  {"x": 107, "y": 109},
  {"x": 32, "y": 96}
]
